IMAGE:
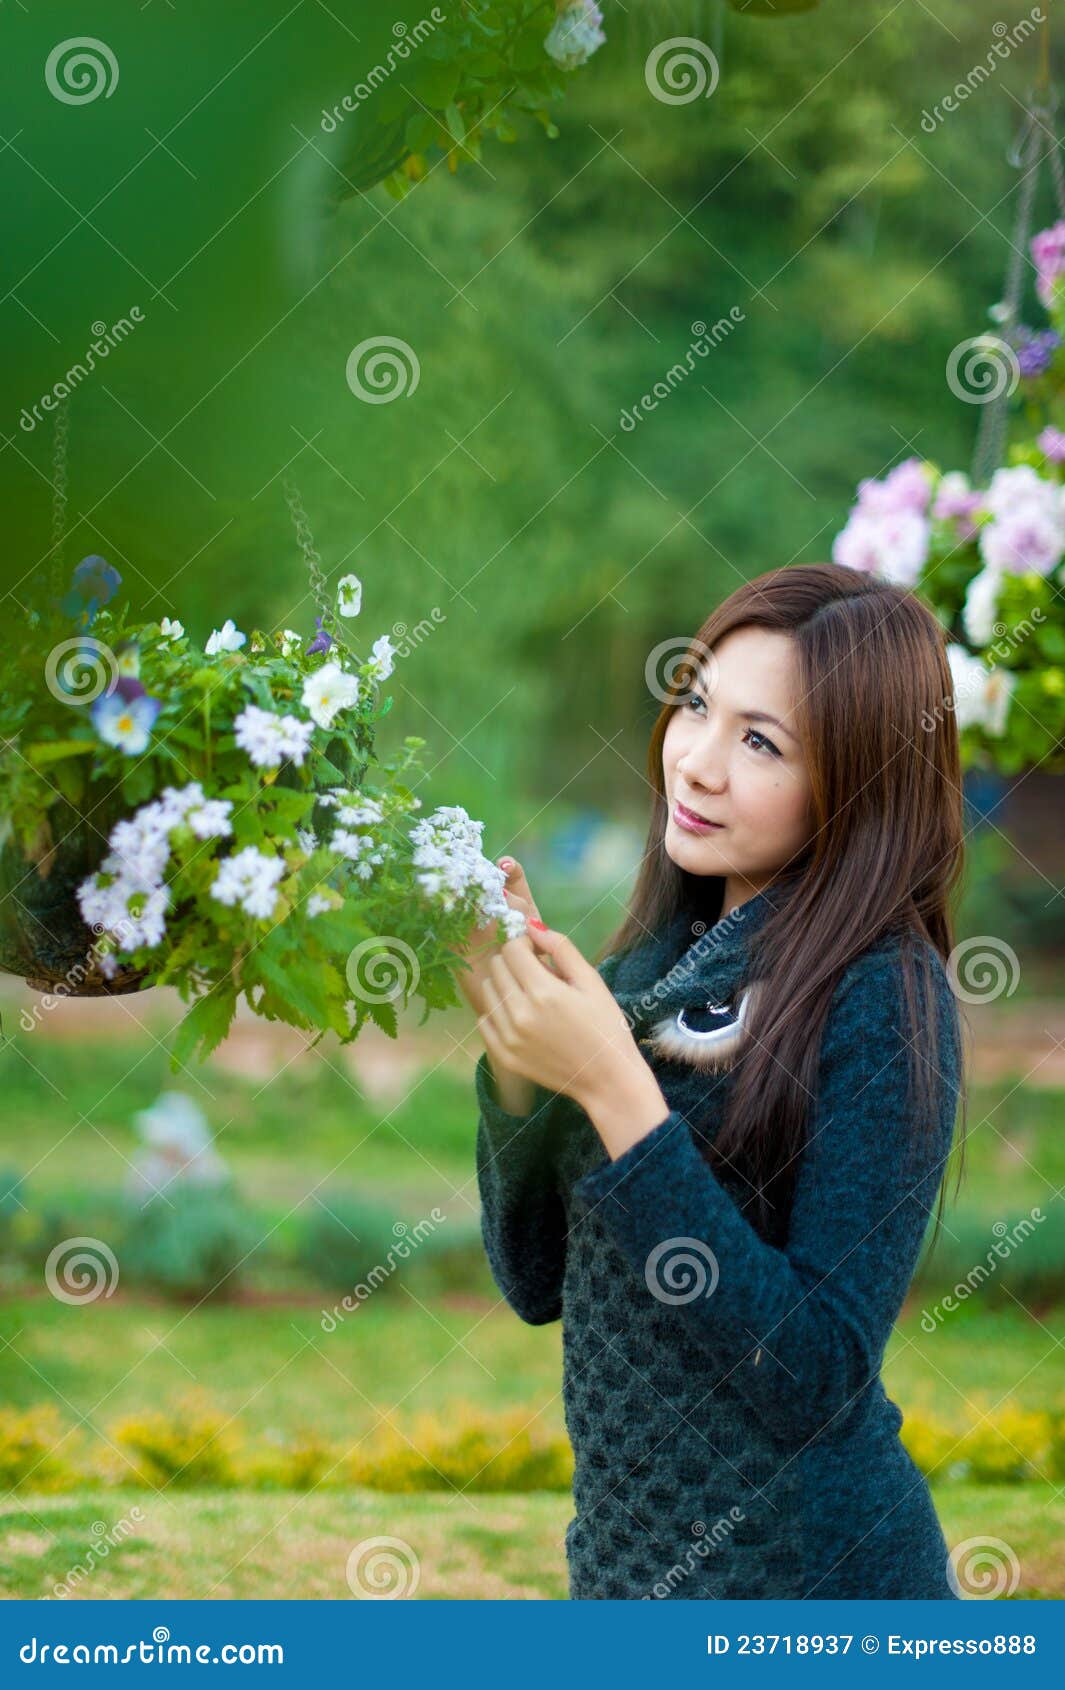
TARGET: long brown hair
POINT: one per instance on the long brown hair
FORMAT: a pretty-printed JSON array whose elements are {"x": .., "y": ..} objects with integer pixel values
[{"x": 876, "y": 722}]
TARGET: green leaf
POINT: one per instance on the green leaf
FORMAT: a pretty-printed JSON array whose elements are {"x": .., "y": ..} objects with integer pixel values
[
  {"x": 456, "y": 125},
  {"x": 772, "y": 8},
  {"x": 384, "y": 1014},
  {"x": 52, "y": 750},
  {"x": 436, "y": 82},
  {"x": 205, "y": 1025}
]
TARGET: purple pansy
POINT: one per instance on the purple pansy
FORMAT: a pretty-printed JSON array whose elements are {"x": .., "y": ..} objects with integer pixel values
[
  {"x": 321, "y": 641},
  {"x": 93, "y": 582},
  {"x": 125, "y": 715}
]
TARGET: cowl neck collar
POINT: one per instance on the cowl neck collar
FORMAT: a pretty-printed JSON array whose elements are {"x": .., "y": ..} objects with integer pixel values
[{"x": 690, "y": 963}]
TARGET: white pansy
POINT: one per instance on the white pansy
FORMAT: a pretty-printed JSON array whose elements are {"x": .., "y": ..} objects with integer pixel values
[
  {"x": 290, "y": 642},
  {"x": 170, "y": 630},
  {"x": 349, "y": 595},
  {"x": 225, "y": 638},
  {"x": 382, "y": 660},
  {"x": 978, "y": 615},
  {"x": 329, "y": 690},
  {"x": 249, "y": 878}
]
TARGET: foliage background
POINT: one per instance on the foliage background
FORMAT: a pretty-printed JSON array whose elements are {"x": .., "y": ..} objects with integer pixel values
[{"x": 544, "y": 291}]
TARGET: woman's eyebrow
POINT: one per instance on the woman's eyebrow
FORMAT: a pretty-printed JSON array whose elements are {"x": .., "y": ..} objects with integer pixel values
[{"x": 751, "y": 715}]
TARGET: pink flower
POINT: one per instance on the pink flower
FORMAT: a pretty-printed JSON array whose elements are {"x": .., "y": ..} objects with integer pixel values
[
  {"x": 905, "y": 488},
  {"x": 955, "y": 501},
  {"x": 1029, "y": 538},
  {"x": 1052, "y": 445},
  {"x": 893, "y": 545},
  {"x": 1048, "y": 256}
]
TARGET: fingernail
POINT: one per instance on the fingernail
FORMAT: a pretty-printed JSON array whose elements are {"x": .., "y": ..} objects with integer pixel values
[
  {"x": 506, "y": 862},
  {"x": 542, "y": 925}
]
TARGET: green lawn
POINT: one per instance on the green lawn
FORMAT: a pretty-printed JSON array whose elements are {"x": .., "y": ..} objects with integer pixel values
[
  {"x": 68, "y": 1128},
  {"x": 296, "y": 1545},
  {"x": 277, "y": 1368}
]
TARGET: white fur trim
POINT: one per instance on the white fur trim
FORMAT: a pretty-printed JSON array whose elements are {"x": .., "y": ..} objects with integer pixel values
[{"x": 677, "y": 1043}]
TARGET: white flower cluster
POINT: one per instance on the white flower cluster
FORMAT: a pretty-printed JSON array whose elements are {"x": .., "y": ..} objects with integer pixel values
[
  {"x": 355, "y": 809},
  {"x": 249, "y": 878},
  {"x": 270, "y": 739},
  {"x": 576, "y": 34},
  {"x": 451, "y": 864},
  {"x": 131, "y": 903}
]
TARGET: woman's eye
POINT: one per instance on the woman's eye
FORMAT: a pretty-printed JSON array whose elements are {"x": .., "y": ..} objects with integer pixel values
[
  {"x": 767, "y": 743},
  {"x": 693, "y": 699}
]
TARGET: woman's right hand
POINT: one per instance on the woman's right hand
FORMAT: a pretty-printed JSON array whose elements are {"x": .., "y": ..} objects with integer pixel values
[
  {"x": 483, "y": 943},
  {"x": 514, "y": 1093}
]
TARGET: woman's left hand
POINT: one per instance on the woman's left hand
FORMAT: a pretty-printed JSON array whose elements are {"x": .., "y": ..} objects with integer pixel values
[{"x": 560, "y": 1027}]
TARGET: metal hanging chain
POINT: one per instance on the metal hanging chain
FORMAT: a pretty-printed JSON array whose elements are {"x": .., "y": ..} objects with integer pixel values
[
  {"x": 61, "y": 437},
  {"x": 1026, "y": 154},
  {"x": 305, "y": 539}
]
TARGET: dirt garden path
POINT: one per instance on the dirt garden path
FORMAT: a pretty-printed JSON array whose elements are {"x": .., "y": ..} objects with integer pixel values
[{"x": 1010, "y": 1041}]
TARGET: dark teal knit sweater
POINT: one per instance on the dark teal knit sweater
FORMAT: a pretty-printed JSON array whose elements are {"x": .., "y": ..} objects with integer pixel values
[{"x": 731, "y": 1433}]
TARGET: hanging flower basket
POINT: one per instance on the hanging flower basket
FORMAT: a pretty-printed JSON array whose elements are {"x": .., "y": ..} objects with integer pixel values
[
  {"x": 987, "y": 553},
  {"x": 216, "y": 819}
]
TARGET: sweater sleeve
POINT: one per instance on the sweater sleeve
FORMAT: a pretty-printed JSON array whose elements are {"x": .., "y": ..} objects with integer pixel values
[
  {"x": 800, "y": 1330},
  {"x": 523, "y": 1221},
  {"x": 523, "y": 1218}
]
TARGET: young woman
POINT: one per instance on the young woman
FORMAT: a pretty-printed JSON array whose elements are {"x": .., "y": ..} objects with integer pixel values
[{"x": 715, "y": 1156}]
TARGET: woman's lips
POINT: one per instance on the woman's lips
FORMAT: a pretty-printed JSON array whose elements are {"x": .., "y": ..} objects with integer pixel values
[{"x": 692, "y": 823}]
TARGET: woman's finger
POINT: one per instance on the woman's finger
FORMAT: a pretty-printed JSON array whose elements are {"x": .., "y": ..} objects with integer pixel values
[
  {"x": 526, "y": 965},
  {"x": 496, "y": 1010},
  {"x": 519, "y": 886},
  {"x": 569, "y": 962}
]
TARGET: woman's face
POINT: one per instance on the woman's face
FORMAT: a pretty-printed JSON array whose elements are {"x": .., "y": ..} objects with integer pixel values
[{"x": 748, "y": 775}]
